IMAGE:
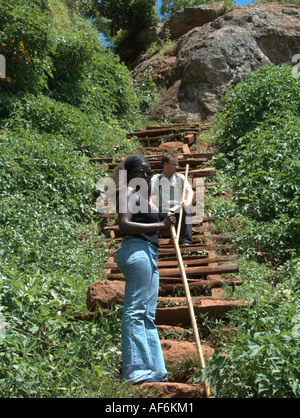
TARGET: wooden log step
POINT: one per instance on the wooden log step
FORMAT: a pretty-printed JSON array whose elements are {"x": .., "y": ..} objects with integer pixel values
[
  {"x": 194, "y": 248},
  {"x": 188, "y": 261},
  {"x": 180, "y": 136},
  {"x": 197, "y": 271},
  {"x": 197, "y": 261},
  {"x": 180, "y": 314},
  {"x": 168, "y": 241},
  {"x": 169, "y": 288},
  {"x": 201, "y": 172},
  {"x": 182, "y": 158},
  {"x": 175, "y": 125},
  {"x": 159, "y": 131}
]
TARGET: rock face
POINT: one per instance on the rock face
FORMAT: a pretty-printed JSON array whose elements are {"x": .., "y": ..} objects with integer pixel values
[
  {"x": 161, "y": 68},
  {"x": 191, "y": 17},
  {"x": 219, "y": 53}
]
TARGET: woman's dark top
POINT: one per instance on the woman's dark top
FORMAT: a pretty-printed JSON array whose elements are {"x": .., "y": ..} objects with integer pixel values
[{"x": 148, "y": 218}]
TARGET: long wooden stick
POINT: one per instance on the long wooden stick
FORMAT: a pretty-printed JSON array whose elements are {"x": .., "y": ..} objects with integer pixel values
[
  {"x": 182, "y": 198},
  {"x": 188, "y": 297}
]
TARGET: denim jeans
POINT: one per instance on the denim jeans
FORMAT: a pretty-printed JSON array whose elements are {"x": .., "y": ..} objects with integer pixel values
[{"x": 142, "y": 357}]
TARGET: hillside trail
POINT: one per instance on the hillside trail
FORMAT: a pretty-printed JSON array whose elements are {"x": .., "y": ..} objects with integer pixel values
[{"x": 207, "y": 260}]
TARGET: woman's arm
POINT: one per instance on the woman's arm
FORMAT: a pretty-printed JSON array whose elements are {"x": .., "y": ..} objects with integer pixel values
[{"x": 127, "y": 226}]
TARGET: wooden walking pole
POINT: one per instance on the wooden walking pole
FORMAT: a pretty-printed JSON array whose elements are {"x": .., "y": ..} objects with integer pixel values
[
  {"x": 189, "y": 299},
  {"x": 182, "y": 198}
]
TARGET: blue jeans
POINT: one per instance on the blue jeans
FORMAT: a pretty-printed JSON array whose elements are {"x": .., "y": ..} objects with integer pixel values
[{"x": 142, "y": 357}]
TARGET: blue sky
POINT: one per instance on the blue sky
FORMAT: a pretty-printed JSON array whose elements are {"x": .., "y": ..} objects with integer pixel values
[{"x": 243, "y": 2}]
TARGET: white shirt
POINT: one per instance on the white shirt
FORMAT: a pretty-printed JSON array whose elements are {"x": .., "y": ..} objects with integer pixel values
[{"x": 166, "y": 193}]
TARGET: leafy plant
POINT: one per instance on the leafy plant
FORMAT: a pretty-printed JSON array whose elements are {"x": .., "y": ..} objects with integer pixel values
[
  {"x": 25, "y": 43},
  {"x": 65, "y": 100},
  {"x": 127, "y": 15},
  {"x": 258, "y": 135},
  {"x": 262, "y": 360},
  {"x": 267, "y": 92}
]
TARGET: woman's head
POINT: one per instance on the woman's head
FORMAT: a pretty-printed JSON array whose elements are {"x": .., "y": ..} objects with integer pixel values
[
  {"x": 132, "y": 162},
  {"x": 135, "y": 166},
  {"x": 138, "y": 166}
]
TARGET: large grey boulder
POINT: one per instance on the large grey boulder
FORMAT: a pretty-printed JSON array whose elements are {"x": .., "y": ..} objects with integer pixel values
[
  {"x": 189, "y": 18},
  {"x": 221, "y": 53}
]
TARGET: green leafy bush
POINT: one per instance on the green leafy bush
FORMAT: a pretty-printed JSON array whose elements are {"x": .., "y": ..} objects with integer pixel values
[
  {"x": 64, "y": 99},
  {"x": 46, "y": 169},
  {"x": 261, "y": 358},
  {"x": 86, "y": 133},
  {"x": 258, "y": 134},
  {"x": 267, "y": 92},
  {"x": 123, "y": 14},
  {"x": 94, "y": 82},
  {"x": 25, "y": 43}
]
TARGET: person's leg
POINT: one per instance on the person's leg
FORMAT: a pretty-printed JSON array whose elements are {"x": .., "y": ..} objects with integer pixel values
[
  {"x": 185, "y": 236},
  {"x": 159, "y": 372},
  {"x": 141, "y": 290}
]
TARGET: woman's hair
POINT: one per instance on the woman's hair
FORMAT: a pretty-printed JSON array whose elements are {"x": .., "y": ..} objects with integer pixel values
[
  {"x": 133, "y": 161},
  {"x": 129, "y": 165}
]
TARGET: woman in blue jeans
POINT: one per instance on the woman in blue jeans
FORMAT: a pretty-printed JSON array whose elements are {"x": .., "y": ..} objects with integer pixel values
[{"x": 142, "y": 359}]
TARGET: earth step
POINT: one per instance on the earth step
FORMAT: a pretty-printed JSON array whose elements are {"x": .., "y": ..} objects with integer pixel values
[
  {"x": 174, "y": 390},
  {"x": 107, "y": 293},
  {"x": 174, "y": 351}
]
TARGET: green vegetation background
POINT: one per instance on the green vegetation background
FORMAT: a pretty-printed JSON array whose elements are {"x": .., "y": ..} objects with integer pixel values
[{"x": 66, "y": 98}]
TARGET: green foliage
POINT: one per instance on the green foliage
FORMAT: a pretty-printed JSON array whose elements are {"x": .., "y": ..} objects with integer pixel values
[
  {"x": 25, "y": 43},
  {"x": 123, "y": 14},
  {"x": 87, "y": 133},
  {"x": 270, "y": 91},
  {"x": 44, "y": 168},
  {"x": 258, "y": 134},
  {"x": 90, "y": 78},
  {"x": 146, "y": 90},
  {"x": 262, "y": 360},
  {"x": 65, "y": 98}
]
